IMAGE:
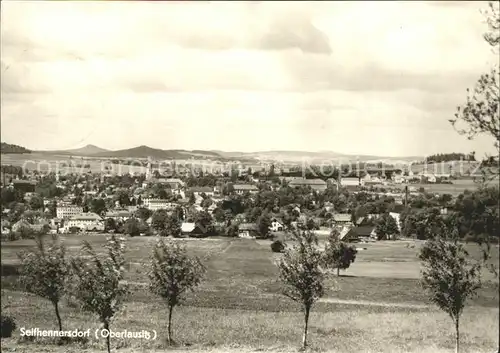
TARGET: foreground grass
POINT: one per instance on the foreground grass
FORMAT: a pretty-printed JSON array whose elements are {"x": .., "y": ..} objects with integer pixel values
[
  {"x": 239, "y": 307},
  {"x": 342, "y": 328}
]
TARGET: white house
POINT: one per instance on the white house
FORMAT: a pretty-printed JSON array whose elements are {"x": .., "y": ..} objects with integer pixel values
[
  {"x": 351, "y": 182},
  {"x": 197, "y": 191},
  {"x": 242, "y": 188},
  {"x": 68, "y": 211},
  {"x": 276, "y": 226},
  {"x": 86, "y": 221},
  {"x": 157, "y": 204}
]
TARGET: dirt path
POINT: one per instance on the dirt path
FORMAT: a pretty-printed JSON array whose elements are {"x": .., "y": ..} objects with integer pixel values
[{"x": 370, "y": 303}]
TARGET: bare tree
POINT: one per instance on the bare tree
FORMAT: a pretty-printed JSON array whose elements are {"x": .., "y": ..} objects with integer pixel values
[
  {"x": 299, "y": 270},
  {"x": 450, "y": 277},
  {"x": 172, "y": 274},
  {"x": 44, "y": 272}
]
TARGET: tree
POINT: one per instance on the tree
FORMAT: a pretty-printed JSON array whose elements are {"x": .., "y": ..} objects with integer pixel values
[
  {"x": 192, "y": 199},
  {"x": 131, "y": 227},
  {"x": 158, "y": 220},
  {"x": 299, "y": 270},
  {"x": 36, "y": 202},
  {"x": 386, "y": 227},
  {"x": 44, "y": 272},
  {"x": 264, "y": 223},
  {"x": 480, "y": 113},
  {"x": 98, "y": 283},
  {"x": 110, "y": 225},
  {"x": 143, "y": 214},
  {"x": 173, "y": 226},
  {"x": 203, "y": 221},
  {"x": 338, "y": 254},
  {"x": 450, "y": 277},
  {"x": 98, "y": 206},
  {"x": 172, "y": 274}
]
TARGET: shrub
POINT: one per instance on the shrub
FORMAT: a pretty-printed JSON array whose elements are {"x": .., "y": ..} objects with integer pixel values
[
  {"x": 277, "y": 246},
  {"x": 8, "y": 326}
]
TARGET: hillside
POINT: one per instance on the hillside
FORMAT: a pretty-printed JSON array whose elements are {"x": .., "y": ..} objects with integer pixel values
[
  {"x": 146, "y": 151},
  {"x": 88, "y": 150},
  {"x": 6, "y": 148},
  {"x": 296, "y": 156}
]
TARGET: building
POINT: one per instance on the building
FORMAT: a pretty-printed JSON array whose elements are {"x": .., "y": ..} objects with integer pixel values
[
  {"x": 352, "y": 181},
  {"x": 360, "y": 233},
  {"x": 276, "y": 226},
  {"x": 157, "y": 204},
  {"x": 174, "y": 183},
  {"x": 197, "y": 191},
  {"x": 342, "y": 219},
  {"x": 315, "y": 184},
  {"x": 67, "y": 211},
  {"x": 86, "y": 221},
  {"x": 248, "y": 230},
  {"x": 24, "y": 185},
  {"x": 240, "y": 189},
  {"x": 118, "y": 215}
]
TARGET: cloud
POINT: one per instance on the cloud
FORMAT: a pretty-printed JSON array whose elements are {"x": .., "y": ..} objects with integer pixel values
[{"x": 239, "y": 75}]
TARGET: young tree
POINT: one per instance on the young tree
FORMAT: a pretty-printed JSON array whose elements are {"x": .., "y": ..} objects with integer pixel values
[
  {"x": 338, "y": 254},
  {"x": 299, "y": 270},
  {"x": 172, "y": 274},
  {"x": 98, "y": 282},
  {"x": 450, "y": 277},
  {"x": 44, "y": 272}
]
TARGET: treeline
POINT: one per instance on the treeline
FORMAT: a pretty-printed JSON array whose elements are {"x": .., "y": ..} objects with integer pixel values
[
  {"x": 9, "y": 148},
  {"x": 447, "y": 157}
]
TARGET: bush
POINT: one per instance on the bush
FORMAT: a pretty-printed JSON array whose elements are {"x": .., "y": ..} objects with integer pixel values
[
  {"x": 277, "y": 246},
  {"x": 7, "y": 326}
]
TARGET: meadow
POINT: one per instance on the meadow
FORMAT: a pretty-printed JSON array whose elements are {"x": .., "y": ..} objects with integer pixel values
[{"x": 377, "y": 305}]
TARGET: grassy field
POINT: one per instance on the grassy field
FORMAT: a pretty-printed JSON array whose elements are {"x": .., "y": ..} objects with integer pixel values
[{"x": 377, "y": 306}]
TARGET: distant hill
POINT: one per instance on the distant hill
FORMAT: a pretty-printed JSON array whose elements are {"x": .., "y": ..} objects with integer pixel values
[
  {"x": 146, "y": 151},
  {"x": 88, "y": 150},
  {"x": 297, "y": 156},
  {"x": 9, "y": 148}
]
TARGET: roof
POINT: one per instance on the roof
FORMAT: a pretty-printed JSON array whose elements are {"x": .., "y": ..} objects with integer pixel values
[
  {"x": 248, "y": 226},
  {"x": 342, "y": 217},
  {"x": 300, "y": 181},
  {"x": 245, "y": 187},
  {"x": 201, "y": 189},
  {"x": 118, "y": 213},
  {"x": 362, "y": 231},
  {"x": 170, "y": 180},
  {"x": 187, "y": 227},
  {"x": 20, "y": 181},
  {"x": 89, "y": 216}
]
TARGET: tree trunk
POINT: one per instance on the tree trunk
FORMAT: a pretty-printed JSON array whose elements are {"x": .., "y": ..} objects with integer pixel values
[
  {"x": 170, "y": 309},
  {"x": 56, "y": 307},
  {"x": 306, "y": 321},
  {"x": 338, "y": 271},
  {"x": 457, "y": 332},
  {"x": 108, "y": 343}
]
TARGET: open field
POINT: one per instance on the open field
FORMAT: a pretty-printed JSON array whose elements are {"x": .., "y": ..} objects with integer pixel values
[{"x": 378, "y": 306}]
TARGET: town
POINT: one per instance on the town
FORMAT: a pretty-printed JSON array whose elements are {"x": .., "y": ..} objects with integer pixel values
[{"x": 194, "y": 202}]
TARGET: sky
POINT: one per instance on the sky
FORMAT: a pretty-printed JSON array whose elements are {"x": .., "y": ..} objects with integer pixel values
[{"x": 377, "y": 78}]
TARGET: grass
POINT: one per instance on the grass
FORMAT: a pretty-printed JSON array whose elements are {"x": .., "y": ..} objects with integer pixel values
[{"x": 239, "y": 305}]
